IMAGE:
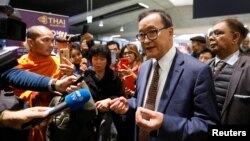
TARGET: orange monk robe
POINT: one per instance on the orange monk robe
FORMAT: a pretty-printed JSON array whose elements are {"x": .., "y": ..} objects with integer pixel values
[{"x": 46, "y": 66}]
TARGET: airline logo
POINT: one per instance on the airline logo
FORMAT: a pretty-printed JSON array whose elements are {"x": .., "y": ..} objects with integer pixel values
[{"x": 52, "y": 21}]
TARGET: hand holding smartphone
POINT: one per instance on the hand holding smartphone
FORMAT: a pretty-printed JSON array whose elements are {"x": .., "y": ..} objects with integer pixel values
[
  {"x": 79, "y": 79},
  {"x": 124, "y": 63},
  {"x": 64, "y": 52}
]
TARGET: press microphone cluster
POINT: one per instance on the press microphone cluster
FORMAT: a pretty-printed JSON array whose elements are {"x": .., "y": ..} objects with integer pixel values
[{"x": 73, "y": 101}]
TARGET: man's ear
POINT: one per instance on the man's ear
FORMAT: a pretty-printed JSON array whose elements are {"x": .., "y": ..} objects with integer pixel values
[
  {"x": 171, "y": 31},
  {"x": 30, "y": 42},
  {"x": 236, "y": 37}
]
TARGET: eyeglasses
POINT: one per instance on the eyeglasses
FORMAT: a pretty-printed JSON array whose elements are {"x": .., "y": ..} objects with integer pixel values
[
  {"x": 151, "y": 34},
  {"x": 217, "y": 33},
  {"x": 127, "y": 53}
]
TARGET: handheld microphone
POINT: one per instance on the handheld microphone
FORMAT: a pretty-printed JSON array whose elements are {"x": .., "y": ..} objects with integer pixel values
[
  {"x": 73, "y": 101},
  {"x": 76, "y": 37}
]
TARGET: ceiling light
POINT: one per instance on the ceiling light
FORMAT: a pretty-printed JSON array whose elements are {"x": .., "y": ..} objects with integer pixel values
[
  {"x": 89, "y": 19},
  {"x": 115, "y": 36},
  {"x": 121, "y": 29},
  {"x": 144, "y": 5},
  {"x": 181, "y": 2},
  {"x": 118, "y": 12},
  {"x": 101, "y": 24}
]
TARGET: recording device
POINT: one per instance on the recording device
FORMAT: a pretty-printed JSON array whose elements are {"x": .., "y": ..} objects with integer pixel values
[
  {"x": 73, "y": 101},
  {"x": 11, "y": 27},
  {"x": 7, "y": 60},
  {"x": 76, "y": 37}
]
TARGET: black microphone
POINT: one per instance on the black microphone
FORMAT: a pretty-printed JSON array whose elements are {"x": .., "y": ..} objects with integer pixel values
[
  {"x": 73, "y": 101},
  {"x": 76, "y": 37}
]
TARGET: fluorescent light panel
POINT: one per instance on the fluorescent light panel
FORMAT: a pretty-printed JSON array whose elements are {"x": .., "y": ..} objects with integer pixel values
[
  {"x": 144, "y": 5},
  {"x": 120, "y": 11},
  {"x": 115, "y": 36},
  {"x": 181, "y": 2}
]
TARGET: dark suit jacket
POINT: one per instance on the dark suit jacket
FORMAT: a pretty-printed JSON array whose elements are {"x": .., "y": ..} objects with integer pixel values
[
  {"x": 187, "y": 102},
  {"x": 236, "y": 109}
]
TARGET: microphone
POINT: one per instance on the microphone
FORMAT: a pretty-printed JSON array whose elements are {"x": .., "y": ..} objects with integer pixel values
[
  {"x": 73, "y": 101},
  {"x": 76, "y": 37}
]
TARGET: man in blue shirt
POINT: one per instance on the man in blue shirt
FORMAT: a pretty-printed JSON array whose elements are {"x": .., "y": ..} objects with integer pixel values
[{"x": 28, "y": 80}]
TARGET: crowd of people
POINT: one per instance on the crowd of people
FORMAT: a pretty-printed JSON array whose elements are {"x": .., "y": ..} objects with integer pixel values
[{"x": 169, "y": 96}]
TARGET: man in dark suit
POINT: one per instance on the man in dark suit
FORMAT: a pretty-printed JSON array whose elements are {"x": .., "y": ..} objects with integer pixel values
[
  {"x": 232, "y": 80},
  {"x": 184, "y": 104}
]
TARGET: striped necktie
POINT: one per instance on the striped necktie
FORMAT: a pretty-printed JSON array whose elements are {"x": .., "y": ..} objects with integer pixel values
[
  {"x": 150, "y": 102},
  {"x": 218, "y": 67}
]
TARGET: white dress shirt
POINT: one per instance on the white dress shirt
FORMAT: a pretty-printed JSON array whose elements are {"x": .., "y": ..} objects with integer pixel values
[
  {"x": 165, "y": 63},
  {"x": 231, "y": 59}
]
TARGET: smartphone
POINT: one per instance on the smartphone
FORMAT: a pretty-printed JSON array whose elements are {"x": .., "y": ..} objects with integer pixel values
[
  {"x": 79, "y": 79},
  {"x": 124, "y": 63},
  {"x": 64, "y": 53},
  {"x": 113, "y": 57}
]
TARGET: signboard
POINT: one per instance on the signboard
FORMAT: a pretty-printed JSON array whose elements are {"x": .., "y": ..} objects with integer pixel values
[{"x": 57, "y": 23}]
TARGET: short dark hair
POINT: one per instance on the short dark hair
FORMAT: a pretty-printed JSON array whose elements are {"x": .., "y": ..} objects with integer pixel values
[
  {"x": 199, "y": 39},
  {"x": 112, "y": 43},
  {"x": 166, "y": 18},
  {"x": 236, "y": 26},
  {"x": 207, "y": 50},
  {"x": 102, "y": 51}
]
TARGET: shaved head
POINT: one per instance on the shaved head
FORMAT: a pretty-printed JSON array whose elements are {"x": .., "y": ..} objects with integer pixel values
[{"x": 35, "y": 31}]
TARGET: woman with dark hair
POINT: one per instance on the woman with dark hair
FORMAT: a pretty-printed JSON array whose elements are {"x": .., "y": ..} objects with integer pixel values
[
  {"x": 77, "y": 59},
  {"x": 104, "y": 85}
]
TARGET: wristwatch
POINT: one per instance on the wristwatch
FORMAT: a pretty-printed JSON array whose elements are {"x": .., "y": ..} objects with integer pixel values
[{"x": 52, "y": 85}]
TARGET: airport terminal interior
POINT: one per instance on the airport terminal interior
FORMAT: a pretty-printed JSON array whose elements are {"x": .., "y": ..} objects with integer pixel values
[
  {"x": 118, "y": 18},
  {"x": 124, "y": 70}
]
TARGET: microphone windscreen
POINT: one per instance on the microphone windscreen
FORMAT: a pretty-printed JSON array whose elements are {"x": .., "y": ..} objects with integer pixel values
[{"x": 77, "y": 99}]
